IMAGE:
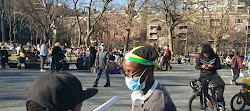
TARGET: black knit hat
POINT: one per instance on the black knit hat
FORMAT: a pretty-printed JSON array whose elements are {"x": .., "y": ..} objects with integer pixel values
[
  {"x": 147, "y": 52},
  {"x": 58, "y": 92}
]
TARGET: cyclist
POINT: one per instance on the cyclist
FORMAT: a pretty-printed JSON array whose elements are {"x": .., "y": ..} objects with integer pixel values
[{"x": 208, "y": 63}]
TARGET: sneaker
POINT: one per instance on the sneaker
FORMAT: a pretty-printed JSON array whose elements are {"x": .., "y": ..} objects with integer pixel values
[
  {"x": 231, "y": 82},
  {"x": 220, "y": 106},
  {"x": 205, "y": 109},
  {"x": 42, "y": 70},
  {"x": 94, "y": 85},
  {"x": 220, "y": 109},
  {"x": 107, "y": 85}
]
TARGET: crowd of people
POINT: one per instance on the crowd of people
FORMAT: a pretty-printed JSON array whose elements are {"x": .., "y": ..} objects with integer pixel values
[{"x": 137, "y": 66}]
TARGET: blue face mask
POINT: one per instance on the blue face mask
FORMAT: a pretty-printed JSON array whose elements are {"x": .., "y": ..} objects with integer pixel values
[
  {"x": 103, "y": 47},
  {"x": 134, "y": 83}
]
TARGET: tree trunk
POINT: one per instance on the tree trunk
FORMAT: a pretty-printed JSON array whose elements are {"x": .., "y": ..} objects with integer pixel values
[
  {"x": 2, "y": 22},
  {"x": 127, "y": 41},
  {"x": 20, "y": 34},
  {"x": 10, "y": 31},
  {"x": 14, "y": 34},
  {"x": 170, "y": 40},
  {"x": 86, "y": 39},
  {"x": 79, "y": 27},
  {"x": 215, "y": 45}
]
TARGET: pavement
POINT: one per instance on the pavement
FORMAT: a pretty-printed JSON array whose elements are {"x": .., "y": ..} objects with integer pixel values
[{"x": 16, "y": 83}]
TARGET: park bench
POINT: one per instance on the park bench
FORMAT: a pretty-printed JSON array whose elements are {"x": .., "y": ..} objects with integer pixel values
[
  {"x": 12, "y": 64},
  {"x": 32, "y": 65}
]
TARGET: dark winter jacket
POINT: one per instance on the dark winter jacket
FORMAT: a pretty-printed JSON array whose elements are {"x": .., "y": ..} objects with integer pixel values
[{"x": 212, "y": 60}]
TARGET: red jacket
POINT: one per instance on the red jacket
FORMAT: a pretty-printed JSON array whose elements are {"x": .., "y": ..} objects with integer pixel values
[
  {"x": 168, "y": 54},
  {"x": 239, "y": 61},
  {"x": 196, "y": 58}
]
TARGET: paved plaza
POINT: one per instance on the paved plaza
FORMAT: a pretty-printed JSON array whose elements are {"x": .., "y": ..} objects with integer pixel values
[{"x": 15, "y": 85}]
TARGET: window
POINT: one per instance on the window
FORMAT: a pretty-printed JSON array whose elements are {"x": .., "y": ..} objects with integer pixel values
[
  {"x": 225, "y": 36},
  {"x": 205, "y": 20},
  {"x": 238, "y": 29},
  {"x": 237, "y": 37},
  {"x": 238, "y": 20}
]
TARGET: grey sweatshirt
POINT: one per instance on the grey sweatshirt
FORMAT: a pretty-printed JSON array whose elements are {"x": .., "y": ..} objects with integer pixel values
[{"x": 102, "y": 59}]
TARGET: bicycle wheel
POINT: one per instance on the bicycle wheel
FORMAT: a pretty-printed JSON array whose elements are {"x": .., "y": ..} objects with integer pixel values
[
  {"x": 238, "y": 102},
  {"x": 194, "y": 103}
]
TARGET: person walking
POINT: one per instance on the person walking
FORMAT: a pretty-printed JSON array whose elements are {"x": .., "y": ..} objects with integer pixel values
[
  {"x": 236, "y": 66},
  {"x": 43, "y": 54},
  {"x": 167, "y": 55},
  {"x": 102, "y": 62}
]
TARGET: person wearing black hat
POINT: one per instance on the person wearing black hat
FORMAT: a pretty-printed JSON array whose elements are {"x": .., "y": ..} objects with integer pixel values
[
  {"x": 148, "y": 94},
  {"x": 57, "y": 92}
]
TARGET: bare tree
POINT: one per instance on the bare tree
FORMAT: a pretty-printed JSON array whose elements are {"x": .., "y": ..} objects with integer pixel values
[
  {"x": 175, "y": 12},
  {"x": 93, "y": 20},
  {"x": 132, "y": 10},
  {"x": 77, "y": 20},
  {"x": 215, "y": 23},
  {"x": 48, "y": 13}
]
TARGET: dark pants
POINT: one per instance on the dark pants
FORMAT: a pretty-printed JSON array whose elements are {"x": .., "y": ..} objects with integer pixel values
[
  {"x": 216, "y": 79},
  {"x": 55, "y": 64},
  {"x": 20, "y": 60},
  {"x": 3, "y": 60},
  {"x": 168, "y": 64},
  {"x": 99, "y": 73},
  {"x": 43, "y": 58},
  {"x": 236, "y": 73}
]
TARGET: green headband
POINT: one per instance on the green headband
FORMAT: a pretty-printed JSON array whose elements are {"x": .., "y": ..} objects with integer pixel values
[{"x": 132, "y": 57}]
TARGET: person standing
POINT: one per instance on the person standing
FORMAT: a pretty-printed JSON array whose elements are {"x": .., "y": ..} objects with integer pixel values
[
  {"x": 236, "y": 66},
  {"x": 92, "y": 55},
  {"x": 102, "y": 62},
  {"x": 148, "y": 94},
  {"x": 43, "y": 54},
  {"x": 56, "y": 55},
  {"x": 167, "y": 58},
  {"x": 4, "y": 57}
]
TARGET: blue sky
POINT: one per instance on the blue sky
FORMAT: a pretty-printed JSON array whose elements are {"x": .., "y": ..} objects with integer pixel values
[{"x": 117, "y": 4}]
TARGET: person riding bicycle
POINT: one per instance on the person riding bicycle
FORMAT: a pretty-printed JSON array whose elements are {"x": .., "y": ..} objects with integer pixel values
[{"x": 208, "y": 63}]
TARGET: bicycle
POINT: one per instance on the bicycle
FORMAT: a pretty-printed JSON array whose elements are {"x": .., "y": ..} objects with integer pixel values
[
  {"x": 202, "y": 101},
  {"x": 241, "y": 99}
]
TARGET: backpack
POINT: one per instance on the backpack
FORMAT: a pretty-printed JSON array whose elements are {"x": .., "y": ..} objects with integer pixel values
[{"x": 234, "y": 64}]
